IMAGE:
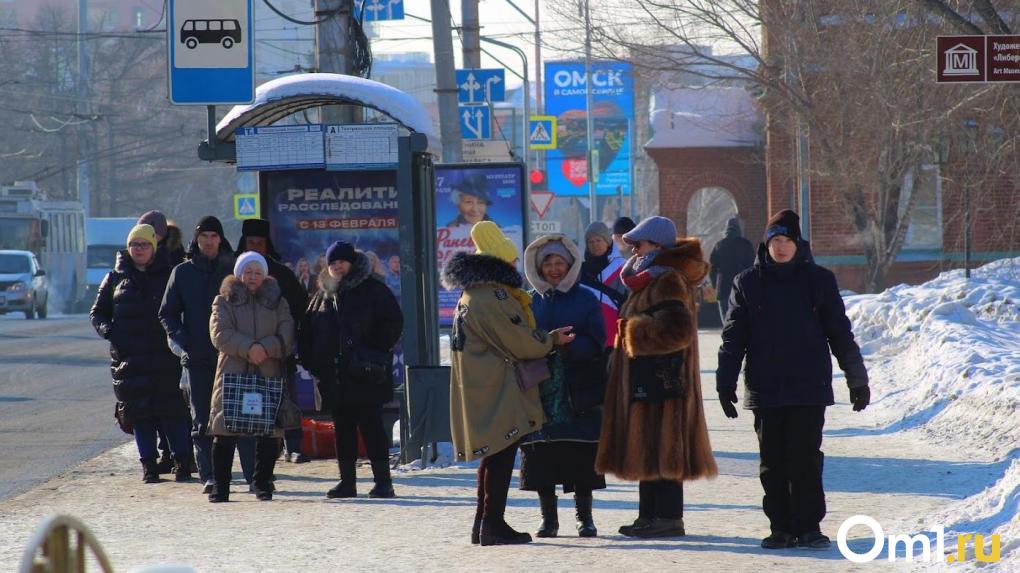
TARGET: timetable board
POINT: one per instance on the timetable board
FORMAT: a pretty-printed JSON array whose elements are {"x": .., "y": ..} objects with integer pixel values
[
  {"x": 361, "y": 146},
  {"x": 278, "y": 147}
]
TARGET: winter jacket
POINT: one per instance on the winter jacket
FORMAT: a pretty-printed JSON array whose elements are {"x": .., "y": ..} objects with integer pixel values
[
  {"x": 311, "y": 287},
  {"x": 785, "y": 319},
  {"x": 570, "y": 304},
  {"x": 667, "y": 439},
  {"x": 146, "y": 374},
  {"x": 488, "y": 411},
  {"x": 239, "y": 320},
  {"x": 354, "y": 320},
  {"x": 188, "y": 302},
  {"x": 729, "y": 257},
  {"x": 608, "y": 289}
]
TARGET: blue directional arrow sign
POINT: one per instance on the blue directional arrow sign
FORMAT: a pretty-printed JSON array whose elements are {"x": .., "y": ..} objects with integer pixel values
[
  {"x": 477, "y": 85},
  {"x": 475, "y": 122},
  {"x": 377, "y": 10}
]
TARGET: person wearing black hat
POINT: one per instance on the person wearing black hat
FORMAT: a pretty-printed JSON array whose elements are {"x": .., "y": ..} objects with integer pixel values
[
  {"x": 472, "y": 200},
  {"x": 184, "y": 314},
  {"x": 785, "y": 314},
  {"x": 255, "y": 236},
  {"x": 729, "y": 256},
  {"x": 621, "y": 227},
  {"x": 346, "y": 341}
]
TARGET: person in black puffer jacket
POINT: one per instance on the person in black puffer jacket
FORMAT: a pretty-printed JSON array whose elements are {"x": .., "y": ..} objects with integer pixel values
[
  {"x": 729, "y": 257},
  {"x": 146, "y": 374},
  {"x": 346, "y": 341},
  {"x": 785, "y": 315}
]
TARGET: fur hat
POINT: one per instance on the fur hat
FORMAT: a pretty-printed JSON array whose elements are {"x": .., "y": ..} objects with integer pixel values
[{"x": 490, "y": 240}]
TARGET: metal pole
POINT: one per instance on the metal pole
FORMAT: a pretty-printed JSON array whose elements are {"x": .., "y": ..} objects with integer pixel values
[
  {"x": 592, "y": 192},
  {"x": 803, "y": 181},
  {"x": 472, "y": 50},
  {"x": 966, "y": 231},
  {"x": 211, "y": 126},
  {"x": 527, "y": 107},
  {"x": 446, "y": 82},
  {"x": 84, "y": 191}
]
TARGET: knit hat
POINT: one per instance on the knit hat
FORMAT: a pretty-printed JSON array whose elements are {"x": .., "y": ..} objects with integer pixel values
[
  {"x": 786, "y": 223},
  {"x": 248, "y": 258},
  {"x": 554, "y": 247},
  {"x": 600, "y": 230},
  {"x": 658, "y": 230},
  {"x": 490, "y": 240},
  {"x": 157, "y": 220},
  {"x": 340, "y": 251},
  {"x": 209, "y": 224},
  {"x": 142, "y": 233},
  {"x": 623, "y": 225}
]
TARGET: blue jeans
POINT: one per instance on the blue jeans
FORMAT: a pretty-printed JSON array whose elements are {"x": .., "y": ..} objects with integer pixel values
[{"x": 176, "y": 429}]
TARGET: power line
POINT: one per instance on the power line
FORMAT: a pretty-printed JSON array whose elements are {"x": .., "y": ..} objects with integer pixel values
[{"x": 332, "y": 15}]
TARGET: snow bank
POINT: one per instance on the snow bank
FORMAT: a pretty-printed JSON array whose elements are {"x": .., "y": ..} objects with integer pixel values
[{"x": 944, "y": 359}]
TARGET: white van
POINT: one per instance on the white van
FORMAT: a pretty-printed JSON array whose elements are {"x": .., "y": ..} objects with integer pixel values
[{"x": 104, "y": 237}]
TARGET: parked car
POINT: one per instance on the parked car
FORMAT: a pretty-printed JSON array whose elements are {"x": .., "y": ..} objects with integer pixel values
[{"x": 22, "y": 284}]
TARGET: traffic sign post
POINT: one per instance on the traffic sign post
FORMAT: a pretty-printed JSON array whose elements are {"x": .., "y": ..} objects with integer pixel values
[
  {"x": 542, "y": 132},
  {"x": 478, "y": 85},
  {"x": 210, "y": 52},
  {"x": 541, "y": 201},
  {"x": 475, "y": 122},
  {"x": 246, "y": 206}
]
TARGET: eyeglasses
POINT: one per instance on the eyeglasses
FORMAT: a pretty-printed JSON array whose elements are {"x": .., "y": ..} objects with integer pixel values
[{"x": 139, "y": 245}]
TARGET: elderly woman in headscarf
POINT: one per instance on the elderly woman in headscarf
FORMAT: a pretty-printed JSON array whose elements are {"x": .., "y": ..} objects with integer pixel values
[
  {"x": 653, "y": 425},
  {"x": 564, "y": 453}
]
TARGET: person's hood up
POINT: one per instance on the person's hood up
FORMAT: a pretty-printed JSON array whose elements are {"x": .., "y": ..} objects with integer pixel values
[
  {"x": 532, "y": 264},
  {"x": 802, "y": 257},
  {"x": 123, "y": 264},
  {"x": 361, "y": 270}
]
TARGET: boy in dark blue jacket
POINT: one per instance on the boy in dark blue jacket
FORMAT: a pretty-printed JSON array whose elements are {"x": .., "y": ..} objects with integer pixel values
[{"x": 785, "y": 315}]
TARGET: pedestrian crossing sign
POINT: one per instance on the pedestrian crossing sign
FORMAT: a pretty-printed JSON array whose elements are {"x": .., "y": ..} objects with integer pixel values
[
  {"x": 542, "y": 132},
  {"x": 246, "y": 206}
]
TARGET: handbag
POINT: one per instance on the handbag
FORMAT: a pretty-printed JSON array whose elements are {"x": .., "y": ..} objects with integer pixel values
[
  {"x": 251, "y": 402},
  {"x": 658, "y": 377},
  {"x": 120, "y": 415},
  {"x": 554, "y": 393}
]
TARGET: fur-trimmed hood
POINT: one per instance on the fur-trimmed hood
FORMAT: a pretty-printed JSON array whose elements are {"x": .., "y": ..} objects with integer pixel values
[
  {"x": 236, "y": 293},
  {"x": 687, "y": 258},
  {"x": 123, "y": 264},
  {"x": 532, "y": 264},
  {"x": 361, "y": 270},
  {"x": 466, "y": 270}
]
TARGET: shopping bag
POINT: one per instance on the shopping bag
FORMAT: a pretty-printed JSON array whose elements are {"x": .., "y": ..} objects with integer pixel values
[{"x": 250, "y": 403}]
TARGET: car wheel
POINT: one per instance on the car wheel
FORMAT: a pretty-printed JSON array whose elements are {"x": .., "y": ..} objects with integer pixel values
[
  {"x": 41, "y": 311},
  {"x": 30, "y": 312},
  {"x": 227, "y": 43},
  {"x": 191, "y": 43}
]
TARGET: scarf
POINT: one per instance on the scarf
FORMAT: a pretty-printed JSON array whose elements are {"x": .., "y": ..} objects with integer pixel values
[
  {"x": 640, "y": 270},
  {"x": 524, "y": 299}
]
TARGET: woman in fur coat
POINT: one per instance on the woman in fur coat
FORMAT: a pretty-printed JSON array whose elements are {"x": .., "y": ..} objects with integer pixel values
[{"x": 653, "y": 424}]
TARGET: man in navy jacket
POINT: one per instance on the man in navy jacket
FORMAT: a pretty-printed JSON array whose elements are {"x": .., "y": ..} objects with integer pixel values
[{"x": 785, "y": 315}]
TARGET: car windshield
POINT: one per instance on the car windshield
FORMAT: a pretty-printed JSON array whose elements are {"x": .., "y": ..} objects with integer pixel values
[
  {"x": 14, "y": 264},
  {"x": 102, "y": 256}
]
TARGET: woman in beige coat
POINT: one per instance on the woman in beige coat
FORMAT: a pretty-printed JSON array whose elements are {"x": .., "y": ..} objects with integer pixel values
[
  {"x": 253, "y": 331},
  {"x": 489, "y": 414}
]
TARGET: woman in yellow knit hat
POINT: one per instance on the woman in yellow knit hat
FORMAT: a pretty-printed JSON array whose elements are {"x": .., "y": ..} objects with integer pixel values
[{"x": 493, "y": 328}]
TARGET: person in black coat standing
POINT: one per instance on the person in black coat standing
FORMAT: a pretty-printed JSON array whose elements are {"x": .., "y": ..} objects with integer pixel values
[
  {"x": 145, "y": 373},
  {"x": 785, "y": 314},
  {"x": 185, "y": 312},
  {"x": 731, "y": 255},
  {"x": 346, "y": 341},
  {"x": 255, "y": 237}
]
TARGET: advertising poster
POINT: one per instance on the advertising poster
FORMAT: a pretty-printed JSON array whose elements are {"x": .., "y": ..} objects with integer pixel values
[
  {"x": 309, "y": 210},
  {"x": 612, "y": 118},
  {"x": 466, "y": 194}
]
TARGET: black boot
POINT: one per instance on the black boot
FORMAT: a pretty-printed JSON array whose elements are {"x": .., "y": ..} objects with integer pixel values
[
  {"x": 220, "y": 494},
  {"x": 347, "y": 487},
  {"x": 383, "y": 483},
  {"x": 500, "y": 533},
  {"x": 585, "y": 524},
  {"x": 165, "y": 464},
  {"x": 150, "y": 470},
  {"x": 182, "y": 469},
  {"x": 550, "y": 526}
]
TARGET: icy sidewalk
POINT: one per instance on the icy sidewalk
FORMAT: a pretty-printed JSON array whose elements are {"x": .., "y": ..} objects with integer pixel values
[{"x": 890, "y": 476}]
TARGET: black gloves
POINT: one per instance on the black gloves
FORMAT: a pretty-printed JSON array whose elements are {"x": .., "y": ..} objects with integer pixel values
[
  {"x": 860, "y": 397},
  {"x": 728, "y": 398}
]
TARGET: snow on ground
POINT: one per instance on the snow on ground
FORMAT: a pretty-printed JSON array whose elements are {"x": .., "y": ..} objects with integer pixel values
[{"x": 944, "y": 359}]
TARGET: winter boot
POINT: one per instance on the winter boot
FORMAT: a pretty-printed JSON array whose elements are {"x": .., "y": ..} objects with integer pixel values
[
  {"x": 779, "y": 540},
  {"x": 661, "y": 527},
  {"x": 501, "y": 534},
  {"x": 383, "y": 483},
  {"x": 220, "y": 493},
  {"x": 182, "y": 468},
  {"x": 150, "y": 470},
  {"x": 347, "y": 486},
  {"x": 550, "y": 526},
  {"x": 585, "y": 524},
  {"x": 640, "y": 522},
  {"x": 165, "y": 464}
]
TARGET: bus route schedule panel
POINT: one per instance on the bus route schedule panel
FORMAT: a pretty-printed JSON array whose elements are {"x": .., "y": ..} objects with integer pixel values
[{"x": 210, "y": 52}]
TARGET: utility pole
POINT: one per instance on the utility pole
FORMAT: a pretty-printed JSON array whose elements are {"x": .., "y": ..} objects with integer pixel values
[
  {"x": 593, "y": 210},
  {"x": 333, "y": 50},
  {"x": 471, "y": 31},
  {"x": 84, "y": 191},
  {"x": 538, "y": 63},
  {"x": 446, "y": 81}
]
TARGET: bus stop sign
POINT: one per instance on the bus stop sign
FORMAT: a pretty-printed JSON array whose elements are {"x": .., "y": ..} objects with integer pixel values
[{"x": 210, "y": 52}]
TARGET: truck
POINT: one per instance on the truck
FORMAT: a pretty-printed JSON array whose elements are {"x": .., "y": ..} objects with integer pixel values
[
  {"x": 104, "y": 236},
  {"x": 54, "y": 231}
]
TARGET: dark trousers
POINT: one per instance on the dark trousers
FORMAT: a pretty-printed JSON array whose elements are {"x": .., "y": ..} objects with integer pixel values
[
  {"x": 790, "y": 441},
  {"x": 662, "y": 498},
  {"x": 579, "y": 491},
  {"x": 200, "y": 397},
  {"x": 347, "y": 420},
  {"x": 494, "y": 473},
  {"x": 176, "y": 433},
  {"x": 266, "y": 451},
  {"x": 292, "y": 438}
]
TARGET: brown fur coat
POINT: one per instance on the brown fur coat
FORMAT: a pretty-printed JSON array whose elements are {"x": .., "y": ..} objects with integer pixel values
[{"x": 666, "y": 440}]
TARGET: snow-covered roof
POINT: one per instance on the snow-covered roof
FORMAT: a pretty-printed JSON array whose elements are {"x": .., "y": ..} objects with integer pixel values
[
  {"x": 704, "y": 117},
  {"x": 279, "y": 98}
]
